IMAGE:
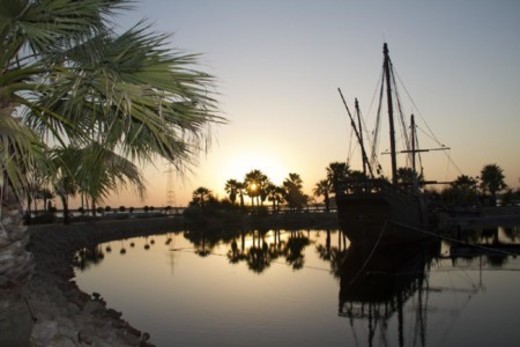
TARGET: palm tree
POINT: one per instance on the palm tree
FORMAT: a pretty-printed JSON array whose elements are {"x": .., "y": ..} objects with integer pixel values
[
  {"x": 462, "y": 191},
  {"x": 256, "y": 182},
  {"x": 275, "y": 194},
  {"x": 492, "y": 180},
  {"x": 93, "y": 171},
  {"x": 322, "y": 188},
  {"x": 232, "y": 188},
  {"x": 240, "y": 190},
  {"x": 337, "y": 173},
  {"x": 67, "y": 77},
  {"x": 201, "y": 195},
  {"x": 294, "y": 195}
]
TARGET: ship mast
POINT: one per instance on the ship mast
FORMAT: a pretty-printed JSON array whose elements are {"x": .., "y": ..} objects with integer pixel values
[
  {"x": 363, "y": 155},
  {"x": 412, "y": 125},
  {"x": 387, "y": 76}
]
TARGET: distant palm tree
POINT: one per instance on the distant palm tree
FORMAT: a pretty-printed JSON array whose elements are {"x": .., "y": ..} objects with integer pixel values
[
  {"x": 232, "y": 188},
  {"x": 275, "y": 194},
  {"x": 322, "y": 188},
  {"x": 256, "y": 182},
  {"x": 201, "y": 195},
  {"x": 492, "y": 180},
  {"x": 294, "y": 195},
  {"x": 461, "y": 192},
  {"x": 93, "y": 171},
  {"x": 240, "y": 190},
  {"x": 337, "y": 173}
]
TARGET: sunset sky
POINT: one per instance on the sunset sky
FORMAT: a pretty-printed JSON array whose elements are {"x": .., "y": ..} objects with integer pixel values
[{"x": 278, "y": 64}]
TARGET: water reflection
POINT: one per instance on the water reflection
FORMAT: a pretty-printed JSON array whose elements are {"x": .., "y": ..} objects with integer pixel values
[
  {"x": 375, "y": 286},
  {"x": 390, "y": 297}
]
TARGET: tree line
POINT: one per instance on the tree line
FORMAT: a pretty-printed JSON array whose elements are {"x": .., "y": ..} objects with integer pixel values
[{"x": 463, "y": 191}]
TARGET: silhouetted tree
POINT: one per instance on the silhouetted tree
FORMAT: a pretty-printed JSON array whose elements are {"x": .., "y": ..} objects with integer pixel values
[
  {"x": 492, "y": 181},
  {"x": 322, "y": 188},
  {"x": 275, "y": 195},
  {"x": 294, "y": 195},
  {"x": 337, "y": 173},
  {"x": 462, "y": 191},
  {"x": 255, "y": 183},
  {"x": 200, "y": 196},
  {"x": 232, "y": 187}
]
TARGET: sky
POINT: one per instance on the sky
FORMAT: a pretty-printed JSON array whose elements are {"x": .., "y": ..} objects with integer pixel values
[{"x": 278, "y": 64}]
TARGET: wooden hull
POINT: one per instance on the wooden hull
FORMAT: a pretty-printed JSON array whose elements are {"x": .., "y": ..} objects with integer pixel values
[{"x": 381, "y": 218}]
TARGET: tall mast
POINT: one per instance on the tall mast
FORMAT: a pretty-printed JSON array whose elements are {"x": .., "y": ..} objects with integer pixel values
[
  {"x": 358, "y": 136},
  {"x": 387, "y": 76},
  {"x": 363, "y": 155},
  {"x": 412, "y": 125}
]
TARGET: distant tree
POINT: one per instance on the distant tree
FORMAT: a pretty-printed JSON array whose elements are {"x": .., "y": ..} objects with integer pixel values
[
  {"x": 232, "y": 187},
  {"x": 407, "y": 177},
  {"x": 322, "y": 188},
  {"x": 462, "y": 191},
  {"x": 255, "y": 183},
  {"x": 492, "y": 181},
  {"x": 122, "y": 209},
  {"x": 275, "y": 195},
  {"x": 200, "y": 196},
  {"x": 294, "y": 195},
  {"x": 240, "y": 190},
  {"x": 337, "y": 173},
  {"x": 65, "y": 187}
]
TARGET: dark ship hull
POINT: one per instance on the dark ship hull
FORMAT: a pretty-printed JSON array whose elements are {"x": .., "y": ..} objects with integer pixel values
[{"x": 382, "y": 217}]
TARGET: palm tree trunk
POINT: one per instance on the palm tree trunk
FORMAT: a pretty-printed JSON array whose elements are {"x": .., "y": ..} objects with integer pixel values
[
  {"x": 15, "y": 262},
  {"x": 16, "y": 268},
  {"x": 65, "y": 203}
]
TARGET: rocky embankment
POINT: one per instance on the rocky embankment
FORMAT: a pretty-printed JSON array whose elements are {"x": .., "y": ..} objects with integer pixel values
[{"x": 54, "y": 311}]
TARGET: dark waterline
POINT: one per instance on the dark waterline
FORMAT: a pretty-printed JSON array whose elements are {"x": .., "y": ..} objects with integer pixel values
[{"x": 289, "y": 288}]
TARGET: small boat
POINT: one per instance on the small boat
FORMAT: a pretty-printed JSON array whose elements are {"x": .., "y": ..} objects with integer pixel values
[{"x": 377, "y": 211}]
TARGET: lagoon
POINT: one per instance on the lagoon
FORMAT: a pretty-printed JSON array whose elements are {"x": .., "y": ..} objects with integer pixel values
[{"x": 280, "y": 287}]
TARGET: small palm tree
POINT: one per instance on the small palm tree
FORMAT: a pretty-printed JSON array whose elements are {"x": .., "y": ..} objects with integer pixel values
[
  {"x": 232, "y": 187},
  {"x": 255, "y": 181},
  {"x": 275, "y": 194},
  {"x": 200, "y": 196},
  {"x": 337, "y": 173},
  {"x": 492, "y": 180},
  {"x": 322, "y": 188},
  {"x": 294, "y": 195}
]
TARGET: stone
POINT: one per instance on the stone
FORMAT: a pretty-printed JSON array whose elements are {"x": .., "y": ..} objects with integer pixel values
[{"x": 43, "y": 332}]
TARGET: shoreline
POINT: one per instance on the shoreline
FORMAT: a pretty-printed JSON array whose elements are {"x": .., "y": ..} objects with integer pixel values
[{"x": 51, "y": 310}]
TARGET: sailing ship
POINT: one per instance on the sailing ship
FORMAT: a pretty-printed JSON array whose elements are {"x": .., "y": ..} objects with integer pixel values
[{"x": 373, "y": 210}]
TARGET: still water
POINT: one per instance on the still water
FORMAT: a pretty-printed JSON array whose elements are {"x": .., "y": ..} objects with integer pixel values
[{"x": 307, "y": 288}]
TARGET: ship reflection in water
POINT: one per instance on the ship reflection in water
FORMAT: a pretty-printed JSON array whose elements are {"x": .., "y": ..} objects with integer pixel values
[
  {"x": 374, "y": 286},
  {"x": 311, "y": 288}
]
